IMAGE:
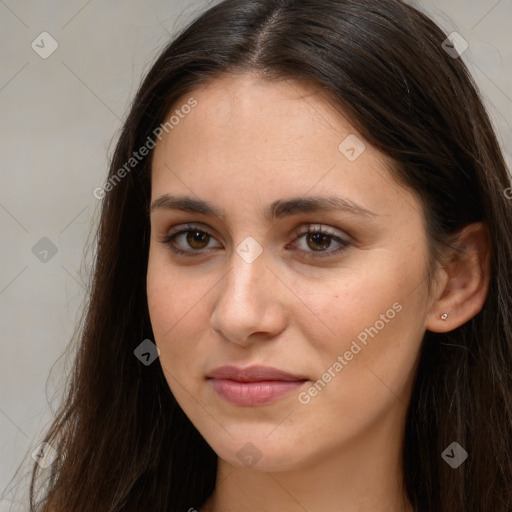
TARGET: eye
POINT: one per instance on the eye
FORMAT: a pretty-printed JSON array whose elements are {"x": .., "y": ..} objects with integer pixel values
[
  {"x": 196, "y": 239},
  {"x": 318, "y": 239}
]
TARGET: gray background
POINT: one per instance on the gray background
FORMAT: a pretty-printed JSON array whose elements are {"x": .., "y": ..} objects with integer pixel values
[{"x": 60, "y": 117}]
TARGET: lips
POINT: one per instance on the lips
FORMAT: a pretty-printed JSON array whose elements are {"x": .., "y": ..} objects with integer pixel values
[
  {"x": 253, "y": 374},
  {"x": 255, "y": 385}
]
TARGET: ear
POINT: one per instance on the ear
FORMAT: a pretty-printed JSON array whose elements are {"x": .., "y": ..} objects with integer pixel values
[{"x": 464, "y": 280}]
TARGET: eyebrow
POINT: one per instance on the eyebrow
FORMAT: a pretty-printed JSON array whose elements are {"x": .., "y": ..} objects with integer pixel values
[{"x": 277, "y": 210}]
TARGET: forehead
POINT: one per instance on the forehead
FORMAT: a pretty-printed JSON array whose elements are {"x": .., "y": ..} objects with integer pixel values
[
  {"x": 259, "y": 139},
  {"x": 243, "y": 107}
]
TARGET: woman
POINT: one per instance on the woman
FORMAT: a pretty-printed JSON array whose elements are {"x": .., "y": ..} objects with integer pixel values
[{"x": 302, "y": 291}]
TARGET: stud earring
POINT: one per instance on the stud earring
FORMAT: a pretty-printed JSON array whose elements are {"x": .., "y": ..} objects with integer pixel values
[{"x": 444, "y": 316}]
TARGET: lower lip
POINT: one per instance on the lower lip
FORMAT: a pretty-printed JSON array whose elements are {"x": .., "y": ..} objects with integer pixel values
[{"x": 254, "y": 393}]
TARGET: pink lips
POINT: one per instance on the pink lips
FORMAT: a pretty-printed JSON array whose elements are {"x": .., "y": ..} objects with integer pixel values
[{"x": 254, "y": 385}]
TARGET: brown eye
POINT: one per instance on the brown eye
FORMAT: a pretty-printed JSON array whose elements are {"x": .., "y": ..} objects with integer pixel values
[
  {"x": 197, "y": 239},
  {"x": 188, "y": 240},
  {"x": 318, "y": 239}
]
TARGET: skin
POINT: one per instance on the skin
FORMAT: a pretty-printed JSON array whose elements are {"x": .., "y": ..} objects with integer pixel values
[{"x": 246, "y": 144}]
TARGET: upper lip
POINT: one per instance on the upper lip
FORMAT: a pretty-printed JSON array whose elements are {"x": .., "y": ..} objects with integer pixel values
[{"x": 253, "y": 374}]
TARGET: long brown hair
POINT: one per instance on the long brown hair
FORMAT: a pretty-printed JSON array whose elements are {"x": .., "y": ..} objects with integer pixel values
[{"x": 123, "y": 442}]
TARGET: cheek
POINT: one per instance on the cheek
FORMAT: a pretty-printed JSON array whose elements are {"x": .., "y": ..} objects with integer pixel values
[
  {"x": 339, "y": 308},
  {"x": 177, "y": 304},
  {"x": 170, "y": 323},
  {"x": 373, "y": 320},
  {"x": 161, "y": 300}
]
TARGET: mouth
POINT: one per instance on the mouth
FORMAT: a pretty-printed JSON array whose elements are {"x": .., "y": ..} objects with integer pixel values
[{"x": 255, "y": 385}]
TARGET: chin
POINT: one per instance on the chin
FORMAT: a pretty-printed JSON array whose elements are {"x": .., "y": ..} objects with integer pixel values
[{"x": 257, "y": 451}]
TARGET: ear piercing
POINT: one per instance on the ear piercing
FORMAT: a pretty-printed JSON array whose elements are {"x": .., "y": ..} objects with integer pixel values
[{"x": 444, "y": 316}]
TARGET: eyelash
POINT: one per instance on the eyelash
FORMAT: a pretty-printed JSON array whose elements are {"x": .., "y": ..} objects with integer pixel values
[{"x": 170, "y": 237}]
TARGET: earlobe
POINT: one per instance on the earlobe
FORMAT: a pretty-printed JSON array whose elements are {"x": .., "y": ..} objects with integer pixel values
[{"x": 465, "y": 281}]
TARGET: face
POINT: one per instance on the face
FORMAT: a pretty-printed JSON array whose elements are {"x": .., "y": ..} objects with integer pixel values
[{"x": 333, "y": 293}]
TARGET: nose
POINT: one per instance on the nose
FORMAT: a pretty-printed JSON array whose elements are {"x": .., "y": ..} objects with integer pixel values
[{"x": 250, "y": 303}]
